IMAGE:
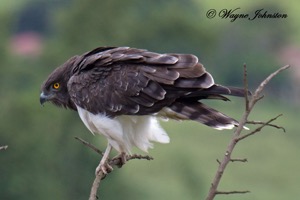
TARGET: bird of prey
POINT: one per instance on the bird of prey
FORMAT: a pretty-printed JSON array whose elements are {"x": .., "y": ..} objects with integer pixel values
[{"x": 120, "y": 92}]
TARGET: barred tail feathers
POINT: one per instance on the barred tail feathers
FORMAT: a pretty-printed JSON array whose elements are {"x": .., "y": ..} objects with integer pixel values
[{"x": 201, "y": 113}]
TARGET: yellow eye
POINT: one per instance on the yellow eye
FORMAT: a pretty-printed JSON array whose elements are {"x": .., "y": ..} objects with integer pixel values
[{"x": 56, "y": 86}]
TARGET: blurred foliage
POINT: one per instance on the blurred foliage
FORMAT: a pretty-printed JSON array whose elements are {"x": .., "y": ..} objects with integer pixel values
[{"x": 43, "y": 160}]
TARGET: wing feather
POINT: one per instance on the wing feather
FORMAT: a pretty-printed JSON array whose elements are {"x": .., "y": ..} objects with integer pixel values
[
  {"x": 154, "y": 90},
  {"x": 163, "y": 75},
  {"x": 204, "y": 81},
  {"x": 127, "y": 81}
]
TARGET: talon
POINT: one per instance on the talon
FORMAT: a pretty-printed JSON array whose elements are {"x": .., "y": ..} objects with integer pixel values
[
  {"x": 122, "y": 159},
  {"x": 105, "y": 168}
]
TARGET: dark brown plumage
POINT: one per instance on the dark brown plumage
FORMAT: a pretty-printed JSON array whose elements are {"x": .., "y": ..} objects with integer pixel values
[
  {"x": 123, "y": 81},
  {"x": 126, "y": 81}
]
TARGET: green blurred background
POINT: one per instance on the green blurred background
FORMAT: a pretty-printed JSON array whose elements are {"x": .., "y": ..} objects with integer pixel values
[{"x": 44, "y": 161}]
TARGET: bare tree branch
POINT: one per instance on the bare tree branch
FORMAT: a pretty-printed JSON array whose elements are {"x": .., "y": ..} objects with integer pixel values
[
  {"x": 256, "y": 96},
  {"x": 272, "y": 125},
  {"x": 112, "y": 162},
  {"x": 233, "y": 192},
  {"x": 246, "y": 88},
  {"x": 95, "y": 186},
  {"x": 238, "y": 160},
  {"x": 258, "y": 129},
  {"x": 89, "y": 145},
  {"x": 236, "y": 136}
]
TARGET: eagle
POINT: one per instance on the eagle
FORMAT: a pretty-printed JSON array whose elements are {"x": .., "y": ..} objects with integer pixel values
[{"x": 120, "y": 92}]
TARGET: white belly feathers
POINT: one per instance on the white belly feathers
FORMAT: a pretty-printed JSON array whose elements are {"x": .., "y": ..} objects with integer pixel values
[{"x": 124, "y": 132}]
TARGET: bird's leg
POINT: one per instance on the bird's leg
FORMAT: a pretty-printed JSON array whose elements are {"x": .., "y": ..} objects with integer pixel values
[
  {"x": 122, "y": 157},
  {"x": 103, "y": 165}
]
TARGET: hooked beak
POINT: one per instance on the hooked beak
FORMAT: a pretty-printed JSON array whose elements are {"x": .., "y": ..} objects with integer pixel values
[{"x": 44, "y": 98}]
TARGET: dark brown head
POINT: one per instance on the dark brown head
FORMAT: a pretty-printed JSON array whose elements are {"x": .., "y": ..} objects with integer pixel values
[{"x": 55, "y": 88}]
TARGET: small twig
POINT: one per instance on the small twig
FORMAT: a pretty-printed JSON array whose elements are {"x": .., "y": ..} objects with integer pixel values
[
  {"x": 246, "y": 88},
  {"x": 272, "y": 125},
  {"x": 257, "y": 94},
  {"x": 3, "y": 147},
  {"x": 89, "y": 145},
  {"x": 233, "y": 192},
  {"x": 137, "y": 156},
  {"x": 258, "y": 129},
  {"x": 238, "y": 160}
]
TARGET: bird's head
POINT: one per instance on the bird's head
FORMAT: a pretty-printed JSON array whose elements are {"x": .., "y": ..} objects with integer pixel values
[{"x": 55, "y": 88}]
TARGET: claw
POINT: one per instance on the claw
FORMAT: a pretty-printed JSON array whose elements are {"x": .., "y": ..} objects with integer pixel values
[
  {"x": 105, "y": 168},
  {"x": 122, "y": 157}
]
